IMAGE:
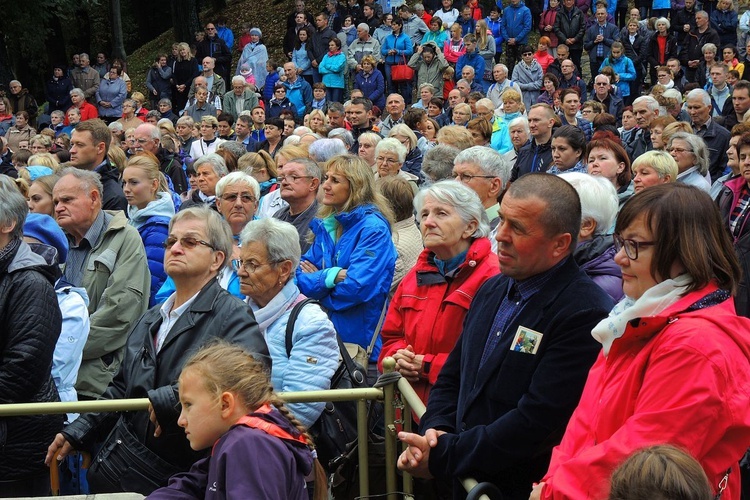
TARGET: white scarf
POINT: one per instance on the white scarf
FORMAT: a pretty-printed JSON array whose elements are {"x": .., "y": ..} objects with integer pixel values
[
  {"x": 655, "y": 300},
  {"x": 281, "y": 303}
]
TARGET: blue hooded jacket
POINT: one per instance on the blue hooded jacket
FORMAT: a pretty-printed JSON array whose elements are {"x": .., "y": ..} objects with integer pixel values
[
  {"x": 516, "y": 23},
  {"x": 365, "y": 249}
]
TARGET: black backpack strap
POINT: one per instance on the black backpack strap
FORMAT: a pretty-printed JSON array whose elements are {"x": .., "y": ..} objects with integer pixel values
[{"x": 292, "y": 319}]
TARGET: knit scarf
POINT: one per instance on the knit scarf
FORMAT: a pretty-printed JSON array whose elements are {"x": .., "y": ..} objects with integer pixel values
[
  {"x": 284, "y": 300},
  {"x": 655, "y": 300}
]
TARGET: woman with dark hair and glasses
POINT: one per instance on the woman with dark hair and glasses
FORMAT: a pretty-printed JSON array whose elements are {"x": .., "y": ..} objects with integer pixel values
[{"x": 674, "y": 367}]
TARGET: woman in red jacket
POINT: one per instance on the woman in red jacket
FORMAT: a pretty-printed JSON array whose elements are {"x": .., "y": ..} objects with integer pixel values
[
  {"x": 425, "y": 316},
  {"x": 674, "y": 367}
]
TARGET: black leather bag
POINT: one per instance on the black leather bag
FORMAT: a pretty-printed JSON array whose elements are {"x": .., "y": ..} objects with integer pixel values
[
  {"x": 125, "y": 464},
  {"x": 336, "y": 427}
]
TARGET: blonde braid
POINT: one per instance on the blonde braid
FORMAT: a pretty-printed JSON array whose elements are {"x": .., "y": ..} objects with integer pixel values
[{"x": 278, "y": 403}]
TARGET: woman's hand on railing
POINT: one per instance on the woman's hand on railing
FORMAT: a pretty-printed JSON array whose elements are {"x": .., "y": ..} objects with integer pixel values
[
  {"x": 415, "y": 459},
  {"x": 59, "y": 443},
  {"x": 409, "y": 364}
]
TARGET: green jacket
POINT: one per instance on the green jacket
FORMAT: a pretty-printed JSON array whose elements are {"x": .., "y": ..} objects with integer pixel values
[
  {"x": 229, "y": 103},
  {"x": 118, "y": 283}
]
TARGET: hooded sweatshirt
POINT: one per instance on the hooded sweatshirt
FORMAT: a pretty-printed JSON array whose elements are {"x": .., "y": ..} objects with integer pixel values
[
  {"x": 247, "y": 462},
  {"x": 152, "y": 223}
]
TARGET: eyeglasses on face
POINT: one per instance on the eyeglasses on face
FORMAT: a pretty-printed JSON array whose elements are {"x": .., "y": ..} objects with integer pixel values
[
  {"x": 389, "y": 161},
  {"x": 631, "y": 246},
  {"x": 232, "y": 197},
  {"x": 679, "y": 150},
  {"x": 186, "y": 242},
  {"x": 466, "y": 178},
  {"x": 249, "y": 266},
  {"x": 293, "y": 178}
]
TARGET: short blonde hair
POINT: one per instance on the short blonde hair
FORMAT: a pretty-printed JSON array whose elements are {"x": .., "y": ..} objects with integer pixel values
[
  {"x": 456, "y": 136},
  {"x": 661, "y": 161}
]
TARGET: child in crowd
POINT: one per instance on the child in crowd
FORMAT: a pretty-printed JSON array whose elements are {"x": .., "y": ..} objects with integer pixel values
[
  {"x": 258, "y": 448},
  {"x": 448, "y": 83},
  {"x": 319, "y": 96},
  {"x": 271, "y": 78}
]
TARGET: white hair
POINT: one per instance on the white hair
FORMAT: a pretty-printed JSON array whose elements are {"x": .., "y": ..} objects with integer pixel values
[{"x": 598, "y": 196}]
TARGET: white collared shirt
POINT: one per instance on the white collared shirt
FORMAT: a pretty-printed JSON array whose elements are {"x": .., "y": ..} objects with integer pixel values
[{"x": 169, "y": 317}]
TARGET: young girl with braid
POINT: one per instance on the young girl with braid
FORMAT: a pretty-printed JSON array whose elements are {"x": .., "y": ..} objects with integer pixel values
[{"x": 260, "y": 450}]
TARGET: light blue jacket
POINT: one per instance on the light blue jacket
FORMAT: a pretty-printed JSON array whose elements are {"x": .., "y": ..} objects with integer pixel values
[
  {"x": 366, "y": 251},
  {"x": 114, "y": 92},
  {"x": 315, "y": 352},
  {"x": 622, "y": 66},
  {"x": 66, "y": 361},
  {"x": 332, "y": 68}
]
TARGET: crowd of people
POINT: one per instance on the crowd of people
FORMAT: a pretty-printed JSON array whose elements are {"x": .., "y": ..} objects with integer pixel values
[{"x": 555, "y": 256}]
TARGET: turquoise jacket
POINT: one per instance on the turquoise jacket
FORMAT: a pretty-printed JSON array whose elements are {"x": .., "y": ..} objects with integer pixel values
[{"x": 332, "y": 68}]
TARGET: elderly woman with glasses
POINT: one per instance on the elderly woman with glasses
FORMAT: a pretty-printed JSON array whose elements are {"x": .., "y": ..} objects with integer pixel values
[
  {"x": 270, "y": 253},
  {"x": 413, "y": 160},
  {"x": 425, "y": 316},
  {"x": 237, "y": 196},
  {"x": 389, "y": 157},
  {"x": 691, "y": 154},
  {"x": 349, "y": 267},
  {"x": 674, "y": 366}
]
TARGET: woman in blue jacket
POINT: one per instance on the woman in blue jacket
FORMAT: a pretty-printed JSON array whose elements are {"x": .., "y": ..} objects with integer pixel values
[
  {"x": 150, "y": 207},
  {"x": 349, "y": 267},
  {"x": 332, "y": 67},
  {"x": 397, "y": 49},
  {"x": 302, "y": 55},
  {"x": 371, "y": 82}
]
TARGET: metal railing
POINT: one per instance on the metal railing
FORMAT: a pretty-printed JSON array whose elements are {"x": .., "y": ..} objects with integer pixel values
[{"x": 387, "y": 393}]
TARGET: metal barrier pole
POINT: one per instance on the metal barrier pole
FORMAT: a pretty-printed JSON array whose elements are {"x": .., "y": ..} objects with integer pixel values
[
  {"x": 411, "y": 398},
  {"x": 364, "y": 464},
  {"x": 390, "y": 433}
]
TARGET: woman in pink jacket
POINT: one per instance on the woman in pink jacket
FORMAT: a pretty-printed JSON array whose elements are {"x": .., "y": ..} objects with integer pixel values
[{"x": 674, "y": 367}]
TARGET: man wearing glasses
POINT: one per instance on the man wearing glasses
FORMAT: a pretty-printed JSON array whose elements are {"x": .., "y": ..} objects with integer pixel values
[
  {"x": 148, "y": 138},
  {"x": 300, "y": 180},
  {"x": 486, "y": 172},
  {"x": 198, "y": 248},
  {"x": 602, "y": 93}
]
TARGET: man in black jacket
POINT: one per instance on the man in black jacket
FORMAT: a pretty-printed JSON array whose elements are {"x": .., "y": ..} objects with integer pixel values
[
  {"x": 213, "y": 46},
  {"x": 504, "y": 396},
  {"x": 323, "y": 34},
  {"x": 536, "y": 156},
  {"x": 199, "y": 246},
  {"x": 703, "y": 33},
  {"x": 89, "y": 146}
]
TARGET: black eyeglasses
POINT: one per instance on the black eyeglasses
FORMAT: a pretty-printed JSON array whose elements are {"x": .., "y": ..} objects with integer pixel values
[
  {"x": 465, "y": 178},
  {"x": 631, "y": 246},
  {"x": 245, "y": 197},
  {"x": 186, "y": 242}
]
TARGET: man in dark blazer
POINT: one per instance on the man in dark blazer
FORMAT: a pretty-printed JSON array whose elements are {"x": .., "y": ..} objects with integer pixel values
[{"x": 508, "y": 388}]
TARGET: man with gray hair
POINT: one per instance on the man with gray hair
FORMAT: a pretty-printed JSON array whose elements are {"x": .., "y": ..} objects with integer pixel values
[
  {"x": 107, "y": 258},
  {"x": 497, "y": 89},
  {"x": 363, "y": 45},
  {"x": 715, "y": 136},
  {"x": 240, "y": 99},
  {"x": 645, "y": 109},
  {"x": 485, "y": 171},
  {"x": 437, "y": 164},
  {"x": 395, "y": 106},
  {"x": 86, "y": 78},
  {"x": 148, "y": 138},
  {"x": 323, "y": 150},
  {"x": 300, "y": 180},
  {"x": 519, "y": 131}
]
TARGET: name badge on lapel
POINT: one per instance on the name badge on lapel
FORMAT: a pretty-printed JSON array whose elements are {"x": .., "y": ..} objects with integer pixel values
[{"x": 526, "y": 340}]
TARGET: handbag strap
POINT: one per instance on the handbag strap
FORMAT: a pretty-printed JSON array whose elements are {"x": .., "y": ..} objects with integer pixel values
[
  {"x": 374, "y": 339},
  {"x": 356, "y": 375}
]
